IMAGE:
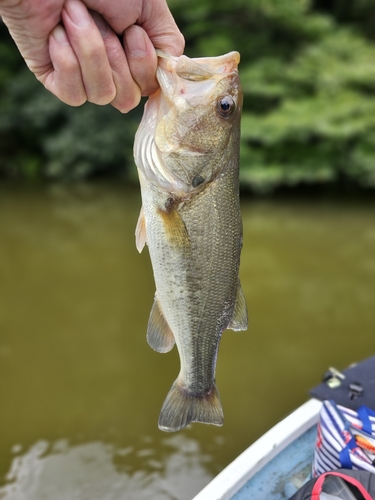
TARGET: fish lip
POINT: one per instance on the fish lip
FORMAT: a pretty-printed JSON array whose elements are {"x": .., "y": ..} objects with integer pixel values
[
  {"x": 174, "y": 73},
  {"x": 208, "y": 66}
]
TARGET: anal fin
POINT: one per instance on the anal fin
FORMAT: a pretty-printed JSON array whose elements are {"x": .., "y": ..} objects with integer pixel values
[
  {"x": 140, "y": 232},
  {"x": 239, "y": 319},
  {"x": 159, "y": 335}
]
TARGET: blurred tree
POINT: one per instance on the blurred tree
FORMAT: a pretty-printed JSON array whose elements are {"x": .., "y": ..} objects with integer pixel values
[
  {"x": 308, "y": 73},
  {"x": 320, "y": 125},
  {"x": 359, "y": 13}
]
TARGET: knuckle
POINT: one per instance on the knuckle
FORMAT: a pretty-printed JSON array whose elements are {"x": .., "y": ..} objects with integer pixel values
[
  {"x": 75, "y": 100},
  {"x": 102, "y": 95},
  {"x": 180, "y": 41},
  {"x": 149, "y": 88},
  {"x": 95, "y": 51},
  {"x": 126, "y": 103},
  {"x": 70, "y": 92},
  {"x": 115, "y": 53},
  {"x": 71, "y": 67}
]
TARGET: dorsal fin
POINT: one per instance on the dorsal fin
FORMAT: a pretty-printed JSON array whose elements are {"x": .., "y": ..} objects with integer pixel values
[
  {"x": 140, "y": 232},
  {"x": 239, "y": 319},
  {"x": 159, "y": 335}
]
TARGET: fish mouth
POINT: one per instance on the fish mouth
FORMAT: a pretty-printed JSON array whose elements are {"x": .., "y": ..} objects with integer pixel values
[
  {"x": 177, "y": 75},
  {"x": 202, "y": 68}
]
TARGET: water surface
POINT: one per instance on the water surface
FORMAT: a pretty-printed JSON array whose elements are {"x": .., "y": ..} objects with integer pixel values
[{"x": 81, "y": 390}]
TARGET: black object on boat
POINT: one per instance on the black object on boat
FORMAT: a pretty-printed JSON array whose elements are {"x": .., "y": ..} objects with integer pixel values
[{"x": 352, "y": 388}]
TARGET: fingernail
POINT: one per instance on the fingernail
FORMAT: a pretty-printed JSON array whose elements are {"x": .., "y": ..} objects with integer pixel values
[
  {"x": 100, "y": 23},
  {"x": 78, "y": 13},
  {"x": 135, "y": 42},
  {"x": 60, "y": 35}
]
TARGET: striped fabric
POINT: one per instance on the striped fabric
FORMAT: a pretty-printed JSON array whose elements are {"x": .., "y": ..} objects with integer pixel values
[{"x": 345, "y": 439}]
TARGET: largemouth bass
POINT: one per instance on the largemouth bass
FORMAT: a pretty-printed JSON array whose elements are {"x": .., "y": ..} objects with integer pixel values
[{"x": 187, "y": 153}]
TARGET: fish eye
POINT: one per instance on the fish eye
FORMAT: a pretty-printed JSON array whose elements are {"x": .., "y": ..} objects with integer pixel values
[{"x": 225, "y": 106}]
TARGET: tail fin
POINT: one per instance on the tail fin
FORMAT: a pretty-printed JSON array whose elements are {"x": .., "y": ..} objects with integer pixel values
[{"x": 180, "y": 408}]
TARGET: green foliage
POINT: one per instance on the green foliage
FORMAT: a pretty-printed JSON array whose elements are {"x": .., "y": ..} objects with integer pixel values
[
  {"x": 308, "y": 74},
  {"x": 320, "y": 114}
]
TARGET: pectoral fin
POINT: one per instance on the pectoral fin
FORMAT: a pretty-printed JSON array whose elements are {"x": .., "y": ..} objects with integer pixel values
[
  {"x": 239, "y": 319},
  {"x": 174, "y": 226},
  {"x": 159, "y": 335},
  {"x": 140, "y": 232}
]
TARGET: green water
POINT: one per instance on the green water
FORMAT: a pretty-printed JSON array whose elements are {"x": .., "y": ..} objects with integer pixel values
[{"x": 80, "y": 389}]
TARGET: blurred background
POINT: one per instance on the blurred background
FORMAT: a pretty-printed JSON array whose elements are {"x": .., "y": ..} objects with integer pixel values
[
  {"x": 308, "y": 73},
  {"x": 80, "y": 389}
]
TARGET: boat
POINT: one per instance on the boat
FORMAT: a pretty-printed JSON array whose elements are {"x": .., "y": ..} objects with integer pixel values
[{"x": 276, "y": 465}]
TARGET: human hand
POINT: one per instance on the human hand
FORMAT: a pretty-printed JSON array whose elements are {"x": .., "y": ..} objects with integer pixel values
[{"x": 77, "y": 55}]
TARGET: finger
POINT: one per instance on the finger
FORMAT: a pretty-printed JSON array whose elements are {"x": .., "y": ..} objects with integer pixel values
[
  {"x": 153, "y": 15},
  {"x": 30, "y": 26},
  {"x": 64, "y": 79},
  {"x": 89, "y": 48},
  {"x": 128, "y": 93},
  {"x": 141, "y": 58},
  {"x": 158, "y": 22}
]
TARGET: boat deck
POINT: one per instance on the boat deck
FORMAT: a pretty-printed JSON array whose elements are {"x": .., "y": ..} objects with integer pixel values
[
  {"x": 275, "y": 466},
  {"x": 284, "y": 474}
]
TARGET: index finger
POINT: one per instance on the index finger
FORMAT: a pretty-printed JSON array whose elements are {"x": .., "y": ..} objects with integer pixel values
[{"x": 153, "y": 16}]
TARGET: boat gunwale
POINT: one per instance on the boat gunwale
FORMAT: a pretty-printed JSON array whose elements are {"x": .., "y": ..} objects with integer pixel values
[{"x": 231, "y": 479}]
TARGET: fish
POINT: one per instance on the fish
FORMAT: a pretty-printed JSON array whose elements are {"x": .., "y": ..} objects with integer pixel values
[{"x": 186, "y": 150}]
